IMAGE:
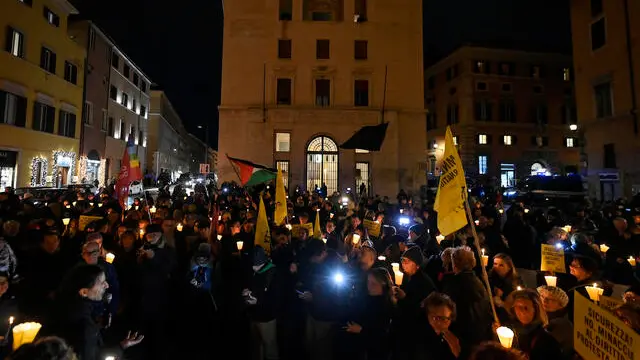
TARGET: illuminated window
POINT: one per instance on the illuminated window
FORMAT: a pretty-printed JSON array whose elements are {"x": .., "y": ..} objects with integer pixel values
[
  {"x": 362, "y": 151},
  {"x": 283, "y": 142},
  {"x": 570, "y": 142},
  {"x": 482, "y": 164},
  {"x": 566, "y": 74},
  {"x": 506, "y": 140},
  {"x": 322, "y": 164},
  {"x": 455, "y": 140},
  {"x": 283, "y": 166},
  {"x": 362, "y": 176},
  {"x": 482, "y": 139}
]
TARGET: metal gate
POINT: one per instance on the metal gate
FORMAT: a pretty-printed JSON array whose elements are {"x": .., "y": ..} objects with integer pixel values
[{"x": 322, "y": 164}]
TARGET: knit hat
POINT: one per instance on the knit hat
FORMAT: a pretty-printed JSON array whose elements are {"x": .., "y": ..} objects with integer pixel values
[
  {"x": 556, "y": 293},
  {"x": 418, "y": 229},
  {"x": 414, "y": 254},
  {"x": 204, "y": 250},
  {"x": 259, "y": 256}
]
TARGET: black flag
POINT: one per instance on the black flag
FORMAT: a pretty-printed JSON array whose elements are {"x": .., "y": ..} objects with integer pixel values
[{"x": 368, "y": 138}]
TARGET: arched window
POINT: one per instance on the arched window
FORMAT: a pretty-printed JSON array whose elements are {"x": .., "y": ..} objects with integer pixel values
[{"x": 322, "y": 164}]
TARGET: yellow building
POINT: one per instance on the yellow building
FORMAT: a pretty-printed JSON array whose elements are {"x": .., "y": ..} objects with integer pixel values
[
  {"x": 300, "y": 77},
  {"x": 41, "y": 94}
]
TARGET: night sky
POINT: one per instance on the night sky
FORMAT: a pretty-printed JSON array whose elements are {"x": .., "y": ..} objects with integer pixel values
[{"x": 179, "y": 44}]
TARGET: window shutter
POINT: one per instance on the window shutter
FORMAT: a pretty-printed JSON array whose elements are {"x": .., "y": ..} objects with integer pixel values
[
  {"x": 72, "y": 125},
  {"x": 8, "y": 39},
  {"x": 21, "y": 111},
  {"x": 501, "y": 140},
  {"x": 489, "y": 111},
  {"x": 51, "y": 118},
  {"x": 3, "y": 101},
  {"x": 61, "y": 122},
  {"x": 43, "y": 57},
  {"x": 545, "y": 141},
  {"x": 489, "y": 139},
  {"x": 37, "y": 115},
  {"x": 52, "y": 69},
  {"x": 478, "y": 112},
  {"x": 487, "y": 67},
  {"x": 514, "y": 140},
  {"x": 477, "y": 139}
]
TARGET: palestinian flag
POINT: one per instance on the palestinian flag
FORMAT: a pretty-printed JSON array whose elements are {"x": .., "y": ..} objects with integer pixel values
[{"x": 252, "y": 174}]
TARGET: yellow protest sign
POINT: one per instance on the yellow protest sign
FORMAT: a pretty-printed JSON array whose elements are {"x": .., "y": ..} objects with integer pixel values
[
  {"x": 598, "y": 334},
  {"x": 373, "y": 228},
  {"x": 85, "y": 220},
  {"x": 609, "y": 303},
  {"x": 552, "y": 259},
  {"x": 295, "y": 229}
]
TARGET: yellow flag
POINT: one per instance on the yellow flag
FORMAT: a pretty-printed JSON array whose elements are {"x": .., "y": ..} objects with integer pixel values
[
  {"x": 317, "y": 231},
  {"x": 281, "y": 200},
  {"x": 452, "y": 190},
  {"x": 262, "y": 229}
]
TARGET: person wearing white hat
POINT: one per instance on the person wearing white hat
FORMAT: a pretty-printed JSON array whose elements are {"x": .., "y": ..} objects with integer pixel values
[{"x": 554, "y": 302}]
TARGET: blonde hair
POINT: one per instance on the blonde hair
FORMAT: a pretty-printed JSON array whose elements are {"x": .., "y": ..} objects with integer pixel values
[{"x": 463, "y": 258}]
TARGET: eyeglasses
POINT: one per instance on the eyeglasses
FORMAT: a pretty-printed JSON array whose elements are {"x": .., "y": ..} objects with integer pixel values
[{"x": 439, "y": 318}]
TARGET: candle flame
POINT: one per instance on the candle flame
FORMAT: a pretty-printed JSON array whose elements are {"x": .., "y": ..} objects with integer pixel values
[{"x": 11, "y": 319}]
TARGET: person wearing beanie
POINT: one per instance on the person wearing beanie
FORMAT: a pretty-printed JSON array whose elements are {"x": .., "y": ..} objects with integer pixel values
[
  {"x": 554, "y": 302},
  {"x": 415, "y": 287}
]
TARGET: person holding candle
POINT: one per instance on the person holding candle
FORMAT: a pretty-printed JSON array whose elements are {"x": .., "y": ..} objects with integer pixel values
[
  {"x": 584, "y": 270},
  {"x": 529, "y": 322},
  {"x": 554, "y": 302},
  {"x": 504, "y": 279},
  {"x": 8, "y": 310}
]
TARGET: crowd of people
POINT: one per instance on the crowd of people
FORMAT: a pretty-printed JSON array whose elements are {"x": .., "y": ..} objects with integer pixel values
[{"x": 184, "y": 276}]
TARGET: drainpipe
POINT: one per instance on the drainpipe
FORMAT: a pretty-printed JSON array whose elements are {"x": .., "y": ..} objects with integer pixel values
[
  {"x": 632, "y": 78},
  {"x": 84, "y": 95}
]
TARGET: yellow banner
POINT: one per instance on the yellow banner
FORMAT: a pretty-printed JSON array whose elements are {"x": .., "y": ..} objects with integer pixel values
[
  {"x": 281, "y": 200},
  {"x": 452, "y": 190},
  {"x": 552, "y": 259},
  {"x": 295, "y": 229},
  {"x": 263, "y": 237},
  {"x": 609, "y": 303},
  {"x": 85, "y": 220},
  {"x": 598, "y": 334},
  {"x": 373, "y": 228}
]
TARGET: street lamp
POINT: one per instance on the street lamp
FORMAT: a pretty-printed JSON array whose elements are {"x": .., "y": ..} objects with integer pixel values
[
  {"x": 573, "y": 127},
  {"x": 206, "y": 142}
]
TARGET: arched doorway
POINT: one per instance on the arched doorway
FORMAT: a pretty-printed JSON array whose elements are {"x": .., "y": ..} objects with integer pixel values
[
  {"x": 93, "y": 166},
  {"x": 322, "y": 164},
  {"x": 538, "y": 168}
]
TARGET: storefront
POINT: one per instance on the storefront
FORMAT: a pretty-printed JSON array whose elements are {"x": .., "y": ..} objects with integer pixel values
[
  {"x": 8, "y": 173},
  {"x": 63, "y": 168}
]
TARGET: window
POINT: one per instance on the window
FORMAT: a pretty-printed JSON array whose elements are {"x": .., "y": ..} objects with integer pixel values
[
  {"x": 322, "y": 164},
  {"x": 122, "y": 132},
  {"x": 143, "y": 111},
  {"x": 596, "y": 7},
  {"x": 67, "y": 124},
  {"x": 323, "y": 49},
  {"x": 92, "y": 39},
  {"x": 432, "y": 120},
  {"x": 480, "y": 67},
  {"x": 136, "y": 79},
  {"x": 506, "y": 87},
  {"x": 482, "y": 139},
  {"x": 362, "y": 176},
  {"x": 13, "y": 109},
  {"x": 566, "y": 74},
  {"x": 14, "y": 42},
  {"x": 507, "y": 111},
  {"x": 111, "y": 130},
  {"x": 284, "y": 49},
  {"x": 126, "y": 71},
  {"x": 133, "y": 104},
  {"x": 455, "y": 140},
  {"x": 610, "y": 156},
  {"x": 536, "y": 71},
  {"x": 540, "y": 141},
  {"x": 283, "y": 165},
  {"x": 482, "y": 164},
  {"x": 70, "y": 72},
  {"x": 113, "y": 93},
  {"x": 360, "y": 49},
  {"x": 483, "y": 110},
  {"x": 115, "y": 60},
  {"x": 283, "y": 142},
  {"x": 87, "y": 113},
  {"x": 361, "y": 10},
  {"x": 540, "y": 114},
  {"x": 361, "y": 93},
  {"x": 132, "y": 132},
  {"x": 124, "y": 101},
  {"x": 283, "y": 91},
  {"x": 598, "y": 34},
  {"x": 569, "y": 114},
  {"x": 570, "y": 142},
  {"x": 481, "y": 86},
  {"x": 48, "y": 60},
  {"x": 507, "y": 140},
  {"x": 506, "y": 69},
  {"x": 51, "y": 17},
  {"x": 140, "y": 139},
  {"x": 452, "y": 72},
  {"x": 362, "y": 151},
  {"x": 143, "y": 86},
  {"x": 286, "y": 10},
  {"x": 43, "y": 117},
  {"x": 323, "y": 92},
  {"x": 321, "y": 16},
  {"x": 105, "y": 120},
  {"x": 604, "y": 100},
  {"x": 452, "y": 114}
]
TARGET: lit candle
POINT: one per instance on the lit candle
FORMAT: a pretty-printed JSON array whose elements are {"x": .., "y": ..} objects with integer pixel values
[
  {"x": 109, "y": 258},
  {"x": 331, "y": 216},
  {"x": 382, "y": 258},
  {"x": 74, "y": 203},
  {"x": 632, "y": 261},
  {"x": 526, "y": 211},
  {"x": 604, "y": 248},
  {"x": 324, "y": 240},
  {"x": 219, "y": 237},
  {"x": 179, "y": 227},
  {"x": 288, "y": 226},
  {"x": 68, "y": 206},
  {"x": 401, "y": 211},
  {"x": 91, "y": 204},
  {"x": 398, "y": 277},
  {"x": 395, "y": 267},
  {"x": 65, "y": 221},
  {"x": 594, "y": 292},
  {"x": 477, "y": 222},
  {"x": 484, "y": 258},
  {"x": 439, "y": 238},
  {"x": 137, "y": 207},
  {"x": 506, "y": 336},
  {"x": 185, "y": 198},
  {"x": 99, "y": 204},
  {"x": 11, "y": 319},
  {"x": 25, "y": 333},
  {"x": 153, "y": 209},
  {"x": 551, "y": 280},
  {"x": 501, "y": 211},
  {"x": 219, "y": 217},
  {"x": 355, "y": 239},
  {"x": 141, "y": 233},
  {"x": 239, "y": 245},
  {"x": 567, "y": 228},
  {"x": 519, "y": 288}
]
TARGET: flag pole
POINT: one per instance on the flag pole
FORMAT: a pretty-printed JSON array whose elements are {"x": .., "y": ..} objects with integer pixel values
[
  {"x": 144, "y": 195},
  {"x": 476, "y": 241},
  {"x": 234, "y": 169}
]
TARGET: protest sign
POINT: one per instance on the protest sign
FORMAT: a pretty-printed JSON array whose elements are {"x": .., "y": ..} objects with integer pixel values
[
  {"x": 552, "y": 259},
  {"x": 86, "y": 220},
  {"x": 609, "y": 303},
  {"x": 599, "y": 334},
  {"x": 295, "y": 229},
  {"x": 373, "y": 228}
]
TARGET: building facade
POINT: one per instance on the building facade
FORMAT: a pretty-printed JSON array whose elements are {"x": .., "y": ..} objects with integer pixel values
[
  {"x": 41, "y": 92},
  {"x": 169, "y": 148},
  {"x": 510, "y": 112},
  {"x": 300, "y": 77},
  {"x": 127, "y": 111},
  {"x": 606, "y": 56}
]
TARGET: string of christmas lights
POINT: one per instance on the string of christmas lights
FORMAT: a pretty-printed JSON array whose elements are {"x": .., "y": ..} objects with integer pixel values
[{"x": 39, "y": 165}]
